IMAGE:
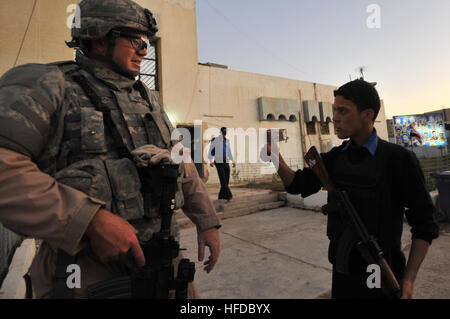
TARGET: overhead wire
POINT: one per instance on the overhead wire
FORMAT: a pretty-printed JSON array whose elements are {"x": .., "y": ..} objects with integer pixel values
[
  {"x": 26, "y": 31},
  {"x": 272, "y": 54},
  {"x": 261, "y": 46}
]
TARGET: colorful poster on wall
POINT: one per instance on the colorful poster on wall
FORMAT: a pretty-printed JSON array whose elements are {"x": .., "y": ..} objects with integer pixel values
[{"x": 420, "y": 130}]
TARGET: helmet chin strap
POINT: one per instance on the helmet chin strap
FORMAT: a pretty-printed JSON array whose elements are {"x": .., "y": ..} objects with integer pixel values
[
  {"x": 108, "y": 58},
  {"x": 113, "y": 65}
]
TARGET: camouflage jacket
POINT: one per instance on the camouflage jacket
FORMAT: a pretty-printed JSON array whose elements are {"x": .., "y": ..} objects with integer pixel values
[{"x": 56, "y": 151}]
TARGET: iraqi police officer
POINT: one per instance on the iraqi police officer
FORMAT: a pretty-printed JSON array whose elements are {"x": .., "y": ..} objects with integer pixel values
[
  {"x": 381, "y": 180},
  {"x": 67, "y": 132}
]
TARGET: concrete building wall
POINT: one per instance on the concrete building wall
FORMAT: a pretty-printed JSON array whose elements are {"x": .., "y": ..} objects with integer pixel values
[
  {"x": 230, "y": 98},
  {"x": 224, "y": 97},
  {"x": 34, "y": 32}
]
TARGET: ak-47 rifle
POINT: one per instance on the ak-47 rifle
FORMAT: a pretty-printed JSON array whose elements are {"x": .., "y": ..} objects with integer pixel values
[
  {"x": 156, "y": 278},
  {"x": 367, "y": 245}
]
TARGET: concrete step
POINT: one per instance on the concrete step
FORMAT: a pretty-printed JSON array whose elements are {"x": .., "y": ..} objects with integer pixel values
[
  {"x": 250, "y": 209},
  {"x": 184, "y": 222},
  {"x": 242, "y": 202},
  {"x": 243, "y": 195}
]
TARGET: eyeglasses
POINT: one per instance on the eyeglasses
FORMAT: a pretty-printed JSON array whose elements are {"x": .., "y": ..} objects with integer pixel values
[{"x": 138, "y": 43}]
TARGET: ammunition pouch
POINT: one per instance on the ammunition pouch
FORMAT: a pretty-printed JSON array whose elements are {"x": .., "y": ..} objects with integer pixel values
[
  {"x": 89, "y": 177},
  {"x": 115, "y": 182},
  {"x": 125, "y": 186}
]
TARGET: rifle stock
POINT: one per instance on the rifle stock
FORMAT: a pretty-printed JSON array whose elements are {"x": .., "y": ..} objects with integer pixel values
[
  {"x": 315, "y": 162},
  {"x": 368, "y": 247}
]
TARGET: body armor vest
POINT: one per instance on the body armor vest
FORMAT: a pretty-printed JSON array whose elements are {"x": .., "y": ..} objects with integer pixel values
[
  {"x": 91, "y": 143},
  {"x": 364, "y": 182}
]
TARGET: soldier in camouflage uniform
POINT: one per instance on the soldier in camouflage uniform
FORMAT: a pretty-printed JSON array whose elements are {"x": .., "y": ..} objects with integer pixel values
[{"x": 67, "y": 131}]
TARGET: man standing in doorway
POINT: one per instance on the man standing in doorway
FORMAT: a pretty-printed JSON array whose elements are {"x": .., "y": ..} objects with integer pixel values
[{"x": 220, "y": 154}]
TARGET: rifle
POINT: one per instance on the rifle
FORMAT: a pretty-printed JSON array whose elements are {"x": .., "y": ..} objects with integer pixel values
[
  {"x": 156, "y": 277},
  {"x": 367, "y": 245}
]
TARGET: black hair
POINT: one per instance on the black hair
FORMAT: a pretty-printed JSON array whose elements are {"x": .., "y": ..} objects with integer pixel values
[
  {"x": 223, "y": 130},
  {"x": 362, "y": 93}
]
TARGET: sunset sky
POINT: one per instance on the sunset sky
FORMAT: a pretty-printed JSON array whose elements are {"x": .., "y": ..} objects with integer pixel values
[{"x": 325, "y": 41}]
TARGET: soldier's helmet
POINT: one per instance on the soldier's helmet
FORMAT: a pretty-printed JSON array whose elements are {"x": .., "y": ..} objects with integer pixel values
[{"x": 98, "y": 17}]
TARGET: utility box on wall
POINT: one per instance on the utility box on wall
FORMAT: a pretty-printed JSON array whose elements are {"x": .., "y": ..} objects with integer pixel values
[
  {"x": 274, "y": 109},
  {"x": 311, "y": 111},
  {"x": 326, "y": 112}
]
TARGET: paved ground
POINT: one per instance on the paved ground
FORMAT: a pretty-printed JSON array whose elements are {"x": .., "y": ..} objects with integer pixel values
[
  {"x": 281, "y": 253},
  {"x": 433, "y": 280}
]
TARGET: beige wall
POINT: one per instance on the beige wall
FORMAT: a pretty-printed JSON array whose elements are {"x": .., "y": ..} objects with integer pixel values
[
  {"x": 234, "y": 94},
  {"x": 178, "y": 50},
  {"x": 229, "y": 98},
  {"x": 44, "y": 40}
]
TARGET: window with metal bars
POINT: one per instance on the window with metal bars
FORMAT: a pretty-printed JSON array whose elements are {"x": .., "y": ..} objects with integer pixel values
[
  {"x": 149, "y": 68},
  {"x": 311, "y": 128}
]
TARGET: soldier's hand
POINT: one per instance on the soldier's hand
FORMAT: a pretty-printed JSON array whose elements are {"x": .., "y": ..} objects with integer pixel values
[
  {"x": 211, "y": 239},
  {"x": 111, "y": 237},
  {"x": 211, "y": 164}
]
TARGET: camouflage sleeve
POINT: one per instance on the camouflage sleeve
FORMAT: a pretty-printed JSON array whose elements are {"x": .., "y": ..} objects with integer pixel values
[
  {"x": 197, "y": 203},
  {"x": 29, "y": 96},
  {"x": 34, "y": 204}
]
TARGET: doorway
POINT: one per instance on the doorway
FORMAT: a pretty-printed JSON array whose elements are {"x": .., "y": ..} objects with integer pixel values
[{"x": 196, "y": 145}]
